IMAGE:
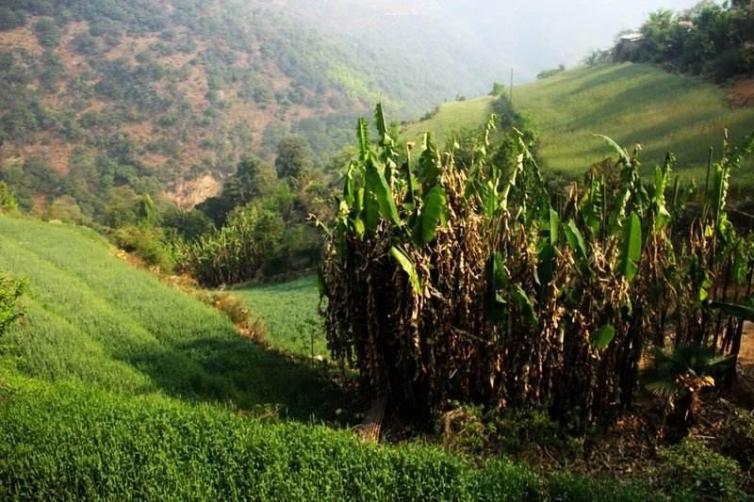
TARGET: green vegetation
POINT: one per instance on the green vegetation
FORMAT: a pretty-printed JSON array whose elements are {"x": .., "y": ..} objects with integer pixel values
[
  {"x": 94, "y": 319},
  {"x": 289, "y": 312},
  {"x": 102, "y": 94},
  {"x": 691, "y": 463},
  {"x": 10, "y": 291},
  {"x": 116, "y": 386},
  {"x": 631, "y": 103},
  {"x": 73, "y": 442},
  {"x": 473, "y": 280},
  {"x": 261, "y": 223},
  {"x": 710, "y": 39},
  {"x": 452, "y": 119}
]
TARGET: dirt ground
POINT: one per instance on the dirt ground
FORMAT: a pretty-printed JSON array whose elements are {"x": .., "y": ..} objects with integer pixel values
[
  {"x": 742, "y": 93},
  {"x": 745, "y": 382}
]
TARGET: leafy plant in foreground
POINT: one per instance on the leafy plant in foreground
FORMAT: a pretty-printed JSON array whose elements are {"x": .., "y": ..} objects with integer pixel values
[{"x": 472, "y": 282}]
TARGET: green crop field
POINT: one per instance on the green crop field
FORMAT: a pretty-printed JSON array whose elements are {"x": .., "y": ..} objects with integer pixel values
[
  {"x": 116, "y": 386},
  {"x": 290, "y": 315},
  {"x": 452, "y": 117},
  {"x": 94, "y": 318},
  {"x": 633, "y": 104}
]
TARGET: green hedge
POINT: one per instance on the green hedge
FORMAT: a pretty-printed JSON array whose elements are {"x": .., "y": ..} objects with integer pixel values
[{"x": 65, "y": 441}]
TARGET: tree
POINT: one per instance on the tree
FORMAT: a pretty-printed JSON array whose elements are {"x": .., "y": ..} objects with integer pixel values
[
  {"x": 294, "y": 158},
  {"x": 252, "y": 179},
  {"x": 47, "y": 31},
  {"x": 66, "y": 209},
  {"x": 10, "y": 19},
  {"x": 122, "y": 207},
  {"x": 498, "y": 89}
]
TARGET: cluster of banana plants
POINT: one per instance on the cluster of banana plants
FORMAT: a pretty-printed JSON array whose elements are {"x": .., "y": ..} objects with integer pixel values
[
  {"x": 235, "y": 252},
  {"x": 448, "y": 280}
]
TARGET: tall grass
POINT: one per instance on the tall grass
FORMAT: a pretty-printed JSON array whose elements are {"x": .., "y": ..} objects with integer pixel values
[{"x": 91, "y": 317}]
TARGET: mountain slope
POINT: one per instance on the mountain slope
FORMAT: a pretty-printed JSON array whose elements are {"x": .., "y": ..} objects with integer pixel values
[
  {"x": 630, "y": 103},
  {"x": 156, "y": 94},
  {"x": 167, "y": 95}
]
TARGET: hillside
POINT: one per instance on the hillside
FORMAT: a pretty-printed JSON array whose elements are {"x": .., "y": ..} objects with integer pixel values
[
  {"x": 166, "y": 96},
  {"x": 93, "y": 318},
  {"x": 630, "y": 103}
]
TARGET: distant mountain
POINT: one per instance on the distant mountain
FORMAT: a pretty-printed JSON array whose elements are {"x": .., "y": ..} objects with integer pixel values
[{"x": 165, "y": 96}]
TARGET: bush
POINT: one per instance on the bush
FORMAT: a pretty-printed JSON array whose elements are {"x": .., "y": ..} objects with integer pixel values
[
  {"x": 738, "y": 437},
  {"x": 237, "y": 251},
  {"x": 470, "y": 430},
  {"x": 10, "y": 19},
  {"x": 147, "y": 244},
  {"x": 691, "y": 471},
  {"x": 551, "y": 72},
  {"x": 85, "y": 44},
  {"x": 8, "y": 203},
  {"x": 48, "y": 32},
  {"x": 10, "y": 290},
  {"x": 65, "y": 209},
  {"x": 572, "y": 488}
]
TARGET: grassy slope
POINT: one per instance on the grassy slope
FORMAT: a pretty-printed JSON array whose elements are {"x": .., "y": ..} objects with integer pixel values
[
  {"x": 117, "y": 387},
  {"x": 94, "y": 318},
  {"x": 290, "y": 314},
  {"x": 630, "y": 103},
  {"x": 452, "y": 117}
]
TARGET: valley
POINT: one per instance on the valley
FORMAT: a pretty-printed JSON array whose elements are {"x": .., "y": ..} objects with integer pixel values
[{"x": 376, "y": 250}]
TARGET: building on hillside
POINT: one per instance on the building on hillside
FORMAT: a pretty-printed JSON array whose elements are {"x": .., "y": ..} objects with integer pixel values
[{"x": 627, "y": 45}]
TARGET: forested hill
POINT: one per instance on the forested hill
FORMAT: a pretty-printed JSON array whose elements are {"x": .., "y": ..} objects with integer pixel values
[{"x": 167, "y": 95}]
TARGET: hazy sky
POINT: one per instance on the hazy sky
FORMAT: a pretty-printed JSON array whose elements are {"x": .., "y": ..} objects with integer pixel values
[
  {"x": 549, "y": 32},
  {"x": 493, "y": 36}
]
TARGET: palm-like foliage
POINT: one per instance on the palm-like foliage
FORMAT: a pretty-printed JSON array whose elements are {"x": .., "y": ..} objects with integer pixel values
[
  {"x": 678, "y": 377},
  {"x": 684, "y": 369},
  {"x": 469, "y": 280}
]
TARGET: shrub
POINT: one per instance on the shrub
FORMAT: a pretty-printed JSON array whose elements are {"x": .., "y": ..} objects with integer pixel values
[
  {"x": 10, "y": 291},
  {"x": 147, "y": 244},
  {"x": 48, "y": 32},
  {"x": 471, "y": 430},
  {"x": 8, "y": 203},
  {"x": 691, "y": 471},
  {"x": 738, "y": 437},
  {"x": 567, "y": 487},
  {"x": 550, "y": 73},
  {"x": 237, "y": 251},
  {"x": 10, "y": 19},
  {"x": 65, "y": 209}
]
